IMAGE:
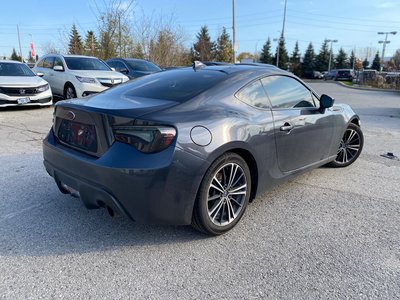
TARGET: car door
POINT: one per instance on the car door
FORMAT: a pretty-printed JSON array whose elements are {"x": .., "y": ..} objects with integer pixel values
[
  {"x": 47, "y": 70},
  {"x": 58, "y": 77},
  {"x": 303, "y": 133}
]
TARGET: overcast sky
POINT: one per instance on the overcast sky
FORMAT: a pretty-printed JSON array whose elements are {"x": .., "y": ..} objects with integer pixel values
[{"x": 354, "y": 23}]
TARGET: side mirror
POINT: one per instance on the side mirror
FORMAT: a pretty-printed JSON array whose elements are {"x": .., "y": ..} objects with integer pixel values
[
  {"x": 40, "y": 74},
  {"x": 58, "y": 68},
  {"x": 326, "y": 101},
  {"x": 124, "y": 71}
]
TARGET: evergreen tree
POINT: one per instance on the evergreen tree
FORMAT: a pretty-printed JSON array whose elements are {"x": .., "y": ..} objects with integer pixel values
[
  {"x": 75, "y": 42},
  {"x": 15, "y": 56},
  {"x": 376, "y": 63},
  {"x": 203, "y": 48},
  {"x": 308, "y": 64},
  {"x": 266, "y": 55},
  {"x": 322, "y": 59},
  {"x": 341, "y": 60},
  {"x": 224, "y": 50},
  {"x": 283, "y": 54},
  {"x": 295, "y": 60},
  {"x": 352, "y": 60},
  {"x": 91, "y": 44},
  {"x": 365, "y": 63}
]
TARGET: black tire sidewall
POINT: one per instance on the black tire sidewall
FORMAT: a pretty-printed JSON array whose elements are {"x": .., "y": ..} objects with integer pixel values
[
  {"x": 201, "y": 201},
  {"x": 66, "y": 89},
  {"x": 358, "y": 130}
]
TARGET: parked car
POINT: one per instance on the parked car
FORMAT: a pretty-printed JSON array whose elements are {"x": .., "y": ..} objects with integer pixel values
[
  {"x": 344, "y": 75},
  {"x": 20, "y": 86},
  {"x": 76, "y": 76},
  {"x": 195, "y": 146},
  {"x": 330, "y": 75},
  {"x": 133, "y": 67},
  {"x": 313, "y": 75}
]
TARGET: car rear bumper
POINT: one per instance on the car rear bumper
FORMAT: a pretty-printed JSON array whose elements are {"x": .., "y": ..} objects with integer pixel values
[{"x": 148, "y": 188}]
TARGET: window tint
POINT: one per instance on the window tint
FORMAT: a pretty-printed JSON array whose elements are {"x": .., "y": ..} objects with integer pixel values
[
  {"x": 177, "y": 85},
  {"x": 86, "y": 63},
  {"x": 58, "y": 62},
  {"x": 117, "y": 65},
  {"x": 287, "y": 92},
  {"x": 142, "y": 65},
  {"x": 48, "y": 62},
  {"x": 254, "y": 94},
  {"x": 13, "y": 69}
]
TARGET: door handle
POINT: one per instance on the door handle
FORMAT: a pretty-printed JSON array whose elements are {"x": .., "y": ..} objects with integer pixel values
[{"x": 287, "y": 127}]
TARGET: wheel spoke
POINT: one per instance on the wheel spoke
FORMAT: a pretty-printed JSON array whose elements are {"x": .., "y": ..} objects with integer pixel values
[
  {"x": 212, "y": 198},
  {"x": 232, "y": 175},
  {"x": 232, "y": 192},
  {"x": 216, "y": 208},
  {"x": 219, "y": 188},
  {"x": 236, "y": 202},
  {"x": 351, "y": 136}
]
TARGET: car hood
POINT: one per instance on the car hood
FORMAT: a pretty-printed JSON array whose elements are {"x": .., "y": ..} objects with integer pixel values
[
  {"x": 99, "y": 74},
  {"x": 21, "y": 81}
]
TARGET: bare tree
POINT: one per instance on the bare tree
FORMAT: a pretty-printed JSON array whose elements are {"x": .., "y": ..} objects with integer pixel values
[
  {"x": 158, "y": 39},
  {"x": 114, "y": 21}
]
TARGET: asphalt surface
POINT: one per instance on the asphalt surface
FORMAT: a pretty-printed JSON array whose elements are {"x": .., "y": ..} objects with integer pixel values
[{"x": 328, "y": 234}]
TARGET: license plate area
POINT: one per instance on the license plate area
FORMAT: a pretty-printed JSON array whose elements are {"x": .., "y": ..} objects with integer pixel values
[
  {"x": 23, "y": 100},
  {"x": 78, "y": 135}
]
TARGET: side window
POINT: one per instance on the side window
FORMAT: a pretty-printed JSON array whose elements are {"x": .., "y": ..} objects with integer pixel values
[
  {"x": 40, "y": 63},
  {"x": 287, "y": 92},
  {"x": 48, "y": 62},
  {"x": 117, "y": 65},
  {"x": 254, "y": 95},
  {"x": 58, "y": 62}
]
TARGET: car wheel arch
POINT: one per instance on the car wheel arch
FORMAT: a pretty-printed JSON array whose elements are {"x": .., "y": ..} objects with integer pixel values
[{"x": 248, "y": 157}]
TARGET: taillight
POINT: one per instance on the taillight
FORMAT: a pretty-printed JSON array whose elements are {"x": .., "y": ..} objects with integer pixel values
[{"x": 147, "y": 139}]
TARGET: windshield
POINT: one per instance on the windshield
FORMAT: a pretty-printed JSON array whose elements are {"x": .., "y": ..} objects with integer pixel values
[
  {"x": 13, "y": 69},
  {"x": 142, "y": 65},
  {"x": 86, "y": 63}
]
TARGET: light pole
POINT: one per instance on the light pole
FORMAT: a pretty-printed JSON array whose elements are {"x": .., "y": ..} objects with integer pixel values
[
  {"x": 234, "y": 31},
  {"x": 330, "y": 53},
  {"x": 277, "y": 51},
  {"x": 384, "y": 45}
]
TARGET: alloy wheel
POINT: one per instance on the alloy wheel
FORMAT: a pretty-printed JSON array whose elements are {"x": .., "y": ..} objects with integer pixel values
[
  {"x": 226, "y": 194},
  {"x": 350, "y": 146}
]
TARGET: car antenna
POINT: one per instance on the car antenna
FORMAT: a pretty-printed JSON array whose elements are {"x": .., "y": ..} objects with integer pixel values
[{"x": 197, "y": 65}]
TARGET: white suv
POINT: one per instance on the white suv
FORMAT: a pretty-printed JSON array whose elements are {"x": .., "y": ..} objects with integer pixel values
[{"x": 75, "y": 76}]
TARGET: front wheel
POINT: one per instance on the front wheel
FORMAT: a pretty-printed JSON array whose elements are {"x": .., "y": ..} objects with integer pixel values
[
  {"x": 69, "y": 92},
  {"x": 350, "y": 147},
  {"x": 223, "y": 195}
]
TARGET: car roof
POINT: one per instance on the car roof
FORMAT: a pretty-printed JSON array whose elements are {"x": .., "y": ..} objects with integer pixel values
[
  {"x": 68, "y": 55},
  {"x": 250, "y": 68},
  {"x": 10, "y": 61}
]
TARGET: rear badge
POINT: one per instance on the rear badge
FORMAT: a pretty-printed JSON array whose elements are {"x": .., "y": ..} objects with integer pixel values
[{"x": 70, "y": 115}]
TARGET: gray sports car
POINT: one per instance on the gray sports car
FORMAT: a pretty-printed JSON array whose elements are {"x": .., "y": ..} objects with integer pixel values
[{"x": 195, "y": 145}]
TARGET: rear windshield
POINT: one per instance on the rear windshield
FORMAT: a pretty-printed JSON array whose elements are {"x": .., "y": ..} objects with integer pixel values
[
  {"x": 177, "y": 85},
  {"x": 86, "y": 63},
  {"x": 13, "y": 69},
  {"x": 142, "y": 65}
]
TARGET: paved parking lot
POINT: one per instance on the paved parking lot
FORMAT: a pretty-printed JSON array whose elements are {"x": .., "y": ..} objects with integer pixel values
[{"x": 330, "y": 233}]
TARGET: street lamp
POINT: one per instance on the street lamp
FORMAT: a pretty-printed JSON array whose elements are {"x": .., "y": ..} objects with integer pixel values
[
  {"x": 384, "y": 44},
  {"x": 277, "y": 51},
  {"x": 330, "y": 53}
]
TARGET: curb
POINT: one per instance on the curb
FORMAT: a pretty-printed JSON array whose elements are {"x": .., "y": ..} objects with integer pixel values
[{"x": 367, "y": 89}]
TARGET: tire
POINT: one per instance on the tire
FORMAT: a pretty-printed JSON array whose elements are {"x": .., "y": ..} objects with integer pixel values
[
  {"x": 223, "y": 195},
  {"x": 350, "y": 147},
  {"x": 69, "y": 91}
]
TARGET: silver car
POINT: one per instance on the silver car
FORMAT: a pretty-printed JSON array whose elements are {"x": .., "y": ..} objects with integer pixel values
[
  {"x": 20, "y": 86},
  {"x": 76, "y": 76}
]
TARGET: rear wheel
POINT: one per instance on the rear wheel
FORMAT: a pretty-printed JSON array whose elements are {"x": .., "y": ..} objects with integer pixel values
[
  {"x": 69, "y": 92},
  {"x": 223, "y": 195},
  {"x": 350, "y": 147}
]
